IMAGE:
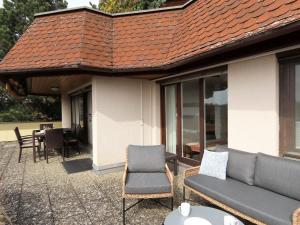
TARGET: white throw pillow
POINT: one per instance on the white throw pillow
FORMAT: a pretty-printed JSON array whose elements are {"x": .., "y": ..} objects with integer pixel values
[{"x": 214, "y": 164}]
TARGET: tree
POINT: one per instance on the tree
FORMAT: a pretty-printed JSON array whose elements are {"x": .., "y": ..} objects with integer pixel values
[
  {"x": 119, "y": 6},
  {"x": 17, "y": 15}
]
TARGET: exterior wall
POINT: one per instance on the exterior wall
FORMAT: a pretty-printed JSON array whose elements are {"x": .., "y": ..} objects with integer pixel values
[
  {"x": 125, "y": 111},
  {"x": 66, "y": 111},
  {"x": 253, "y": 105}
]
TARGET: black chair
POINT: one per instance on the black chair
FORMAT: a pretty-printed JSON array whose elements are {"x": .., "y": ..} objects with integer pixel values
[
  {"x": 54, "y": 139},
  {"x": 71, "y": 140},
  {"x": 44, "y": 126},
  {"x": 27, "y": 141}
]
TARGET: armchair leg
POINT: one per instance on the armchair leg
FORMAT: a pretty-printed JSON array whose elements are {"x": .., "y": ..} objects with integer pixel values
[
  {"x": 123, "y": 210},
  {"x": 172, "y": 203},
  {"x": 183, "y": 193}
]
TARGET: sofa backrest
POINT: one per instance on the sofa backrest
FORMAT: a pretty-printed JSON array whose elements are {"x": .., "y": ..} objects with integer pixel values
[
  {"x": 241, "y": 165},
  {"x": 146, "y": 159},
  {"x": 278, "y": 175}
]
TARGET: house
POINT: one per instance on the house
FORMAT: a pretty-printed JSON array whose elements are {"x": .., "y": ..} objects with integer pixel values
[{"x": 190, "y": 76}]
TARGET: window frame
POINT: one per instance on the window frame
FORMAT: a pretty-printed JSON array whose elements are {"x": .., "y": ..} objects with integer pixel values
[{"x": 287, "y": 88}]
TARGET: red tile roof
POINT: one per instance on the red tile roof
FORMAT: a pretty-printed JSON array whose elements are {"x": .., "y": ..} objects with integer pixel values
[{"x": 93, "y": 39}]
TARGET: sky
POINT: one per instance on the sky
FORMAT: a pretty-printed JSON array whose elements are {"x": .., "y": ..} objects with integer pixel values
[{"x": 73, "y": 3}]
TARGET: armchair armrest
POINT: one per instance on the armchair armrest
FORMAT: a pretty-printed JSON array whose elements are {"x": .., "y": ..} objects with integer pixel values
[
  {"x": 296, "y": 217},
  {"x": 124, "y": 179},
  {"x": 27, "y": 137},
  {"x": 170, "y": 177},
  {"x": 191, "y": 171}
]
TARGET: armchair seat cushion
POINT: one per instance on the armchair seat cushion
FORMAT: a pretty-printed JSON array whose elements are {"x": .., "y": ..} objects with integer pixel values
[
  {"x": 267, "y": 206},
  {"x": 147, "y": 183}
]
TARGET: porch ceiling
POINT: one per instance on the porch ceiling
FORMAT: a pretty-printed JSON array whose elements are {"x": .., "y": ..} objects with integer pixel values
[{"x": 44, "y": 85}]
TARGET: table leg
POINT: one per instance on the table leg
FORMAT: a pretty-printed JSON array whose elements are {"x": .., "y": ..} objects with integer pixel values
[{"x": 34, "y": 153}]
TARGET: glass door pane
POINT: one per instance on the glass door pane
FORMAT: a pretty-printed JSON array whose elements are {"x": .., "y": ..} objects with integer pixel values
[
  {"x": 215, "y": 111},
  {"x": 190, "y": 119},
  {"x": 170, "y": 115},
  {"x": 297, "y": 107}
]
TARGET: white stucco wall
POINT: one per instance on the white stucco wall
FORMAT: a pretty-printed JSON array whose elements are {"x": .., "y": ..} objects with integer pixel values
[
  {"x": 253, "y": 120},
  {"x": 125, "y": 111},
  {"x": 66, "y": 111}
]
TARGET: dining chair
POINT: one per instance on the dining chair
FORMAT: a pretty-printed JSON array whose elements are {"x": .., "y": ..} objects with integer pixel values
[
  {"x": 26, "y": 142},
  {"x": 54, "y": 139},
  {"x": 44, "y": 126},
  {"x": 146, "y": 176}
]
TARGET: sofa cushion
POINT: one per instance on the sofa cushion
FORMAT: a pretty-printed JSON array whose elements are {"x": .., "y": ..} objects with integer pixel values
[
  {"x": 143, "y": 159},
  {"x": 264, "y": 205},
  {"x": 214, "y": 164},
  {"x": 147, "y": 183},
  {"x": 278, "y": 174},
  {"x": 241, "y": 165}
]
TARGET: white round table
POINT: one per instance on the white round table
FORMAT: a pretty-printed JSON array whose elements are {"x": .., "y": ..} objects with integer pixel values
[{"x": 214, "y": 216}]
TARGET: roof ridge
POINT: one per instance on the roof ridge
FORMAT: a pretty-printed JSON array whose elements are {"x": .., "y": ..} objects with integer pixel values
[{"x": 114, "y": 14}]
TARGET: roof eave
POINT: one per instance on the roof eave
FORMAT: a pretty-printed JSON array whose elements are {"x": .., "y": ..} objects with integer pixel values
[{"x": 80, "y": 68}]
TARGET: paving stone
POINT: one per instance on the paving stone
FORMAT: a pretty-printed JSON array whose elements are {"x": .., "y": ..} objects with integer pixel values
[
  {"x": 80, "y": 219},
  {"x": 39, "y": 219},
  {"x": 67, "y": 208}
]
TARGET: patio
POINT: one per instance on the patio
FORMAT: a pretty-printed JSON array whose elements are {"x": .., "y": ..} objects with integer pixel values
[
  {"x": 40, "y": 193},
  {"x": 70, "y": 193}
]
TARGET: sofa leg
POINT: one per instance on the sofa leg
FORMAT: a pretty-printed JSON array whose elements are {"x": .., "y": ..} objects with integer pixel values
[
  {"x": 123, "y": 210},
  {"x": 183, "y": 193},
  {"x": 172, "y": 203}
]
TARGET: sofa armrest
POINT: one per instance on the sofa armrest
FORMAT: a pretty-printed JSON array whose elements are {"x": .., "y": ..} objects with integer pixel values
[
  {"x": 191, "y": 171},
  {"x": 124, "y": 179},
  {"x": 296, "y": 217}
]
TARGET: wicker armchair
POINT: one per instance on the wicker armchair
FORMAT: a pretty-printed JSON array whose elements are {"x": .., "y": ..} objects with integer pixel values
[
  {"x": 143, "y": 179},
  {"x": 194, "y": 171}
]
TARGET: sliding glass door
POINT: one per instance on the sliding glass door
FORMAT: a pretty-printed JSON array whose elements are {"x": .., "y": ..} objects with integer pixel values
[
  {"x": 195, "y": 116},
  {"x": 297, "y": 108},
  {"x": 289, "y": 106},
  {"x": 171, "y": 123},
  {"x": 215, "y": 111},
  {"x": 190, "y": 117}
]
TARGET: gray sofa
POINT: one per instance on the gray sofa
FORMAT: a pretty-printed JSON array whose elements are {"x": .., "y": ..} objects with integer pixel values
[{"x": 260, "y": 188}]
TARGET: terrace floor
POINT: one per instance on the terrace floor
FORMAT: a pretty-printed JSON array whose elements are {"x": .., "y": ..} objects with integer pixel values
[{"x": 69, "y": 193}]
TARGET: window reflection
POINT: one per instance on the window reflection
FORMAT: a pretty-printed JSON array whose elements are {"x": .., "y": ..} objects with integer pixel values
[
  {"x": 216, "y": 111},
  {"x": 190, "y": 120},
  {"x": 297, "y": 108}
]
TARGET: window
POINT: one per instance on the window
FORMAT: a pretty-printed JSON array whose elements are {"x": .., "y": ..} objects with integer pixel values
[
  {"x": 216, "y": 111},
  {"x": 190, "y": 119},
  {"x": 171, "y": 123},
  {"x": 289, "y": 106},
  {"x": 195, "y": 116},
  {"x": 297, "y": 107}
]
